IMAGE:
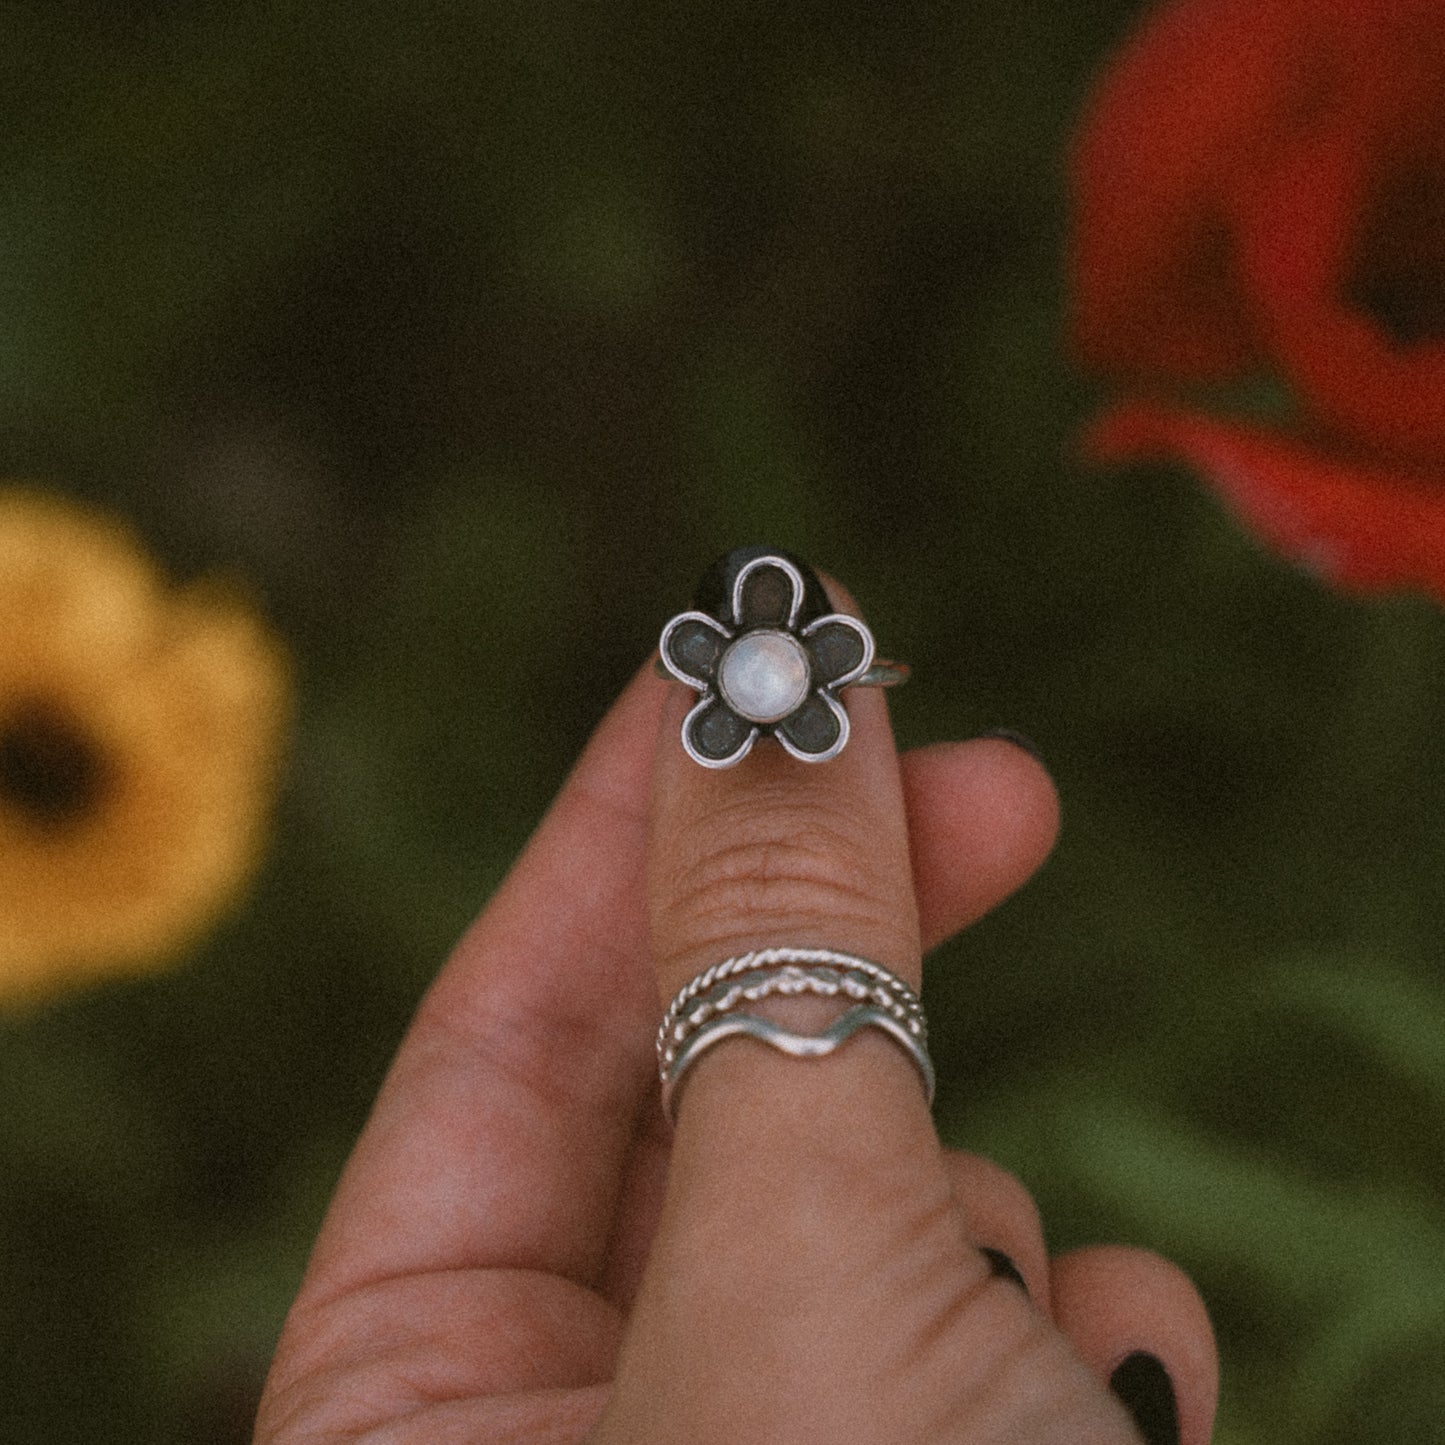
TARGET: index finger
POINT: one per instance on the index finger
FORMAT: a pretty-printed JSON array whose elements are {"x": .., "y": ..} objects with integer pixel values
[{"x": 499, "y": 1136}]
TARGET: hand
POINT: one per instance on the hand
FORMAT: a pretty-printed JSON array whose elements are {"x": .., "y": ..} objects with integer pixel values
[{"x": 521, "y": 1249}]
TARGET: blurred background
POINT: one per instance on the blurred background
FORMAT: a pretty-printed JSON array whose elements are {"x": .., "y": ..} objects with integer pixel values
[{"x": 470, "y": 333}]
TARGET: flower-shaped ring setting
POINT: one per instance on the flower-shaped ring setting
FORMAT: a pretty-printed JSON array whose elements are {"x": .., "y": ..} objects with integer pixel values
[{"x": 764, "y": 668}]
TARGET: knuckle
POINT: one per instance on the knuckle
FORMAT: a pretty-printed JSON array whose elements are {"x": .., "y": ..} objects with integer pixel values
[{"x": 772, "y": 867}]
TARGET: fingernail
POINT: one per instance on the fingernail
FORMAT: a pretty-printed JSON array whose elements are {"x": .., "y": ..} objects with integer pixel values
[
  {"x": 1002, "y": 1267},
  {"x": 1142, "y": 1384},
  {"x": 1018, "y": 739}
]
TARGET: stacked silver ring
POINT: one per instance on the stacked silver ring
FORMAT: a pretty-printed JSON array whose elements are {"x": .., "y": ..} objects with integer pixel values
[{"x": 711, "y": 1007}]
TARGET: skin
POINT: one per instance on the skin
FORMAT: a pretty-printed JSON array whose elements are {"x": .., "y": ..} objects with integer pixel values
[{"x": 521, "y": 1249}]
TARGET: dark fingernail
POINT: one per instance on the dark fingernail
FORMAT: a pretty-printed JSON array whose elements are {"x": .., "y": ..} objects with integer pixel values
[
  {"x": 1012, "y": 735},
  {"x": 1144, "y": 1387},
  {"x": 1002, "y": 1267}
]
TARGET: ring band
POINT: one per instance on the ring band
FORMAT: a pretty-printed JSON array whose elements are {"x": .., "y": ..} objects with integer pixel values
[
  {"x": 709, "y": 1009},
  {"x": 769, "y": 656}
]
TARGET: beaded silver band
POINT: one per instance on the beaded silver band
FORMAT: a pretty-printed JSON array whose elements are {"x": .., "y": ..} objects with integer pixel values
[
  {"x": 767, "y": 958},
  {"x": 710, "y": 1008}
]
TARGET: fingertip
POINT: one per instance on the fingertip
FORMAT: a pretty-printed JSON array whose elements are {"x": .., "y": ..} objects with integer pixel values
[
  {"x": 1116, "y": 1303},
  {"x": 1018, "y": 739},
  {"x": 983, "y": 816},
  {"x": 1000, "y": 1215}
]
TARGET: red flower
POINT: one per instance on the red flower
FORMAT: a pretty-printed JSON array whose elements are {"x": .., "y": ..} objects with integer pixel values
[{"x": 1260, "y": 184}]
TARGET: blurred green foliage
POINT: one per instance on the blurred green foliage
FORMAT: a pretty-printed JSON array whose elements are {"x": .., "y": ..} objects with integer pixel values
[{"x": 472, "y": 332}]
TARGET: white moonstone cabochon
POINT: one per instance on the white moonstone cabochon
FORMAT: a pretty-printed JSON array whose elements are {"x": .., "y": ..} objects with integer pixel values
[{"x": 764, "y": 676}]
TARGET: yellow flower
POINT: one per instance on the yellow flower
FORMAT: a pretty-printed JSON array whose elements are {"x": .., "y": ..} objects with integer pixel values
[{"x": 140, "y": 732}]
